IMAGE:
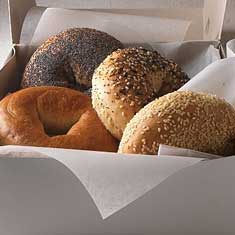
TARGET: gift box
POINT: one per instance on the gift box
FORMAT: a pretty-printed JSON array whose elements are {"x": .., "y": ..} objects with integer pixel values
[{"x": 60, "y": 191}]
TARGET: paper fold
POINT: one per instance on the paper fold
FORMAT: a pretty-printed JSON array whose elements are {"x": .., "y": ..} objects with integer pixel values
[
  {"x": 192, "y": 56},
  {"x": 230, "y": 46},
  {"x": 165, "y": 150},
  {"x": 113, "y": 181}
]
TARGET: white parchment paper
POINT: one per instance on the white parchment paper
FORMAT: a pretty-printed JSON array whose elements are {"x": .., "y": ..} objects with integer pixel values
[
  {"x": 112, "y": 180},
  {"x": 165, "y": 150},
  {"x": 127, "y": 28}
]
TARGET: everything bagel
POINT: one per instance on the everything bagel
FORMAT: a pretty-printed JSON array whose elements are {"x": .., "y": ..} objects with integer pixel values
[{"x": 129, "y": 79}]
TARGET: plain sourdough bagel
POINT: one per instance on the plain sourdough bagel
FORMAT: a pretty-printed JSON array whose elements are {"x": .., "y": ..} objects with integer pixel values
[
  {"x": 69, "y": 59},
  {"x": 52, "y": 117},
  {"x": 129, "y": 79},
  {"x": 189, "y": 120}
]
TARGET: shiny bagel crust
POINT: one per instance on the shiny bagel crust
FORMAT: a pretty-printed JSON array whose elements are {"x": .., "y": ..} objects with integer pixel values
[
  {"x": 53, "y": 117},
  {"x": 196, "y": 121},
  {"x": 129, "y": 79},
  {"x": 69, "y": 59}
]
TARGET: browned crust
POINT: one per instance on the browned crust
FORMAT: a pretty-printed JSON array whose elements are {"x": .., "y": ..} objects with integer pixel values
[
  {"x": 69, "y": 59},
  {"x": 129, "y": 79},
  {"x": 53, "y": 117},
  {"x": 189, "y": 120}
]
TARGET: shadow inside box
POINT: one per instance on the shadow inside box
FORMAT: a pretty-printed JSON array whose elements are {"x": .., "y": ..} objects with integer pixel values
[{"x": 227, "y": 36}]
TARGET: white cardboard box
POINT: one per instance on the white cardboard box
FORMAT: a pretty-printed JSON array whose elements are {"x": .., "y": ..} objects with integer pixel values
[{"x": 55, "y": 191}]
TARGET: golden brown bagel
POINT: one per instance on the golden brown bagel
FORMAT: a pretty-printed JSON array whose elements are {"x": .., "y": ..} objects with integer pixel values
[
  {"x": 129, "y": 79},
  {"x": 189, "y": 120},
  {"x": 52, "y": 117},
  {"x": 69, "y": 59}
]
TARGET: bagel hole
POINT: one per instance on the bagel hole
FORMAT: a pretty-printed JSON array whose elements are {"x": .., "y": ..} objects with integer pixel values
[
  {"x": 54, "y": 130},
  {"x": 72, "y": 76},
  {"x": 64, "y": 74},
  {"x": 58, "y": 112},
  {"x": 51, "y": 133}
]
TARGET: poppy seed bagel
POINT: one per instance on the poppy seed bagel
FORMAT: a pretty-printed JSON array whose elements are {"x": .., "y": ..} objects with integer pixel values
[{"x": 69, "y": 59}]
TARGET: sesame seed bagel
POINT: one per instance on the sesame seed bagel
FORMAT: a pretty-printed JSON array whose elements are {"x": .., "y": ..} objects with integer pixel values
[
  {"x": 53, "y": 117},
  {"x": 69, "y": 59},
  {"x": 129, "y": 79},
  {"x": 196, "y": 121}
]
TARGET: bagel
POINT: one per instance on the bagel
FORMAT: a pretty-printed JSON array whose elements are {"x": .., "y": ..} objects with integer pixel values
[
  {"x": 129, "y": 79},
  {"x": 53, "y": 117},
  {"x": 69, "y": 59},
  {"x": 195, "y": 121}
]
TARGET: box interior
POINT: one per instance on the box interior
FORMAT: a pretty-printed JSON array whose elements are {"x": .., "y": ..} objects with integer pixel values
[{"x": 12, "y": 72}]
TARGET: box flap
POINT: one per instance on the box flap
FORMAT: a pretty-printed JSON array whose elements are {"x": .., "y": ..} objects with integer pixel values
[
  {"x": 229, "y": 22},
  {"x": 214, "y": 12},
  {"x": 7, "y": 72},
  {"x": 111, "y": 173},
  {"x": 5, "y": 33},
  {"x": 30, "y": 24},
  {"x": 120, "y": 4},
  {"x": 18, "y": 10},
  {"x": 5, "y": 25},
  {"x": 41, "y": 197}
]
